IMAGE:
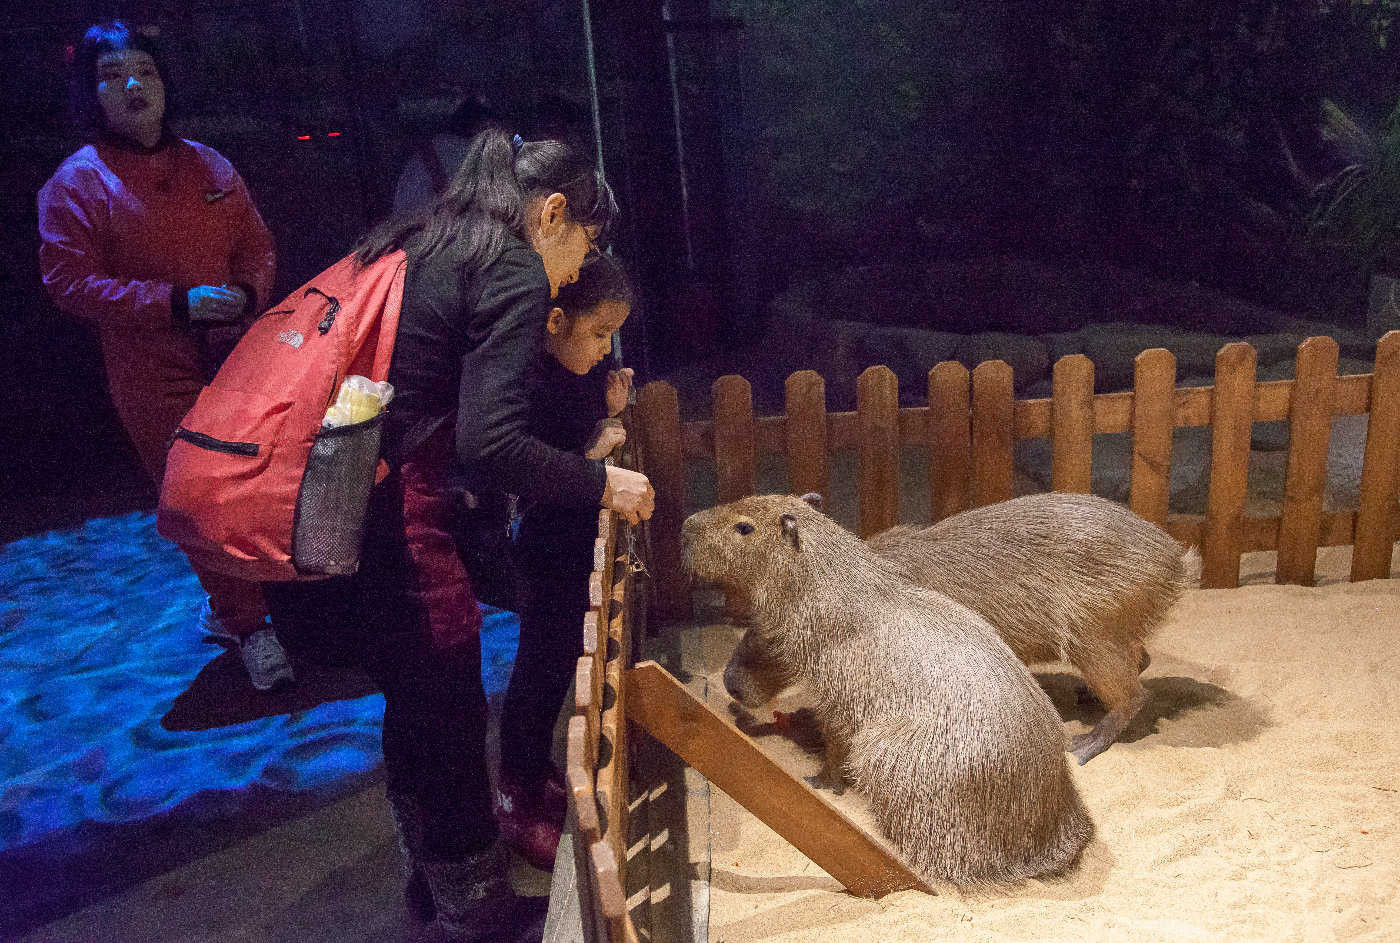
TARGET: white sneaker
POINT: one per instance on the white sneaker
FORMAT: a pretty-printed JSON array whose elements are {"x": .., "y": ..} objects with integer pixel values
[{"x": 265, "y": 660}]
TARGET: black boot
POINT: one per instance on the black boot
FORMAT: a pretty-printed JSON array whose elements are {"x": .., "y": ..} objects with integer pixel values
[
  {"x": 475, "y": 903},
  {"x": 418, "y": 897}
]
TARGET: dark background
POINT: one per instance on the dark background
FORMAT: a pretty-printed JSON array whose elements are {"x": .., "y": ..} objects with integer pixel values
[{"x": 891, "y": 158}]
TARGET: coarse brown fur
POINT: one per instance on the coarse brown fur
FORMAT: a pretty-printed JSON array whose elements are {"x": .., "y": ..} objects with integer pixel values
[
  {"x": 958, "y": 749},
  {"x": 1061, "y": 577}
]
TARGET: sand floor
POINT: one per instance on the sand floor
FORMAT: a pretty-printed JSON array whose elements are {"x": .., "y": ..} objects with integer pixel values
[{"x": 1257, "y": 797}]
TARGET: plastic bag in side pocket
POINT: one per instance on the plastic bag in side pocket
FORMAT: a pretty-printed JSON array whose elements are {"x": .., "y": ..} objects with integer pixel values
[{"x": 329, "y": 524}]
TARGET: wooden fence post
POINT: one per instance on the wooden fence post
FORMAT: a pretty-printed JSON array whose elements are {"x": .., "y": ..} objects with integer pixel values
[
  {"x": 734, "y": 446},
  {"x": 949, "y": 439},
  {"x": 1072, "y": 424},
  {"x": 612, "y": 774},
  {"x": 993, "y": 433},
  {"x": 877, "y": 412},
  {"x": 1154, "y": 417},
  {"x": 805, "y": 395},
  {"x": 612, "y": 898},
  {"x": 1232, "y": 418},
  {"x": 735, "y": 465},
  {"x": 1310, "y": 431},
  {"x": 578, "y": 772},
  {"x": 659, "y": 428},
  {"x": 1380, "y": 471}
]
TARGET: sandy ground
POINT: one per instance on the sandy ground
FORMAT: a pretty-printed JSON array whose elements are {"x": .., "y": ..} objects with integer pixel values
[{"x": 1257, "y": 797}]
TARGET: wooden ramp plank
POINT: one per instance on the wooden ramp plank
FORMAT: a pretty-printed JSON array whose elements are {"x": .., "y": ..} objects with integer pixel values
[
  {"x": 1072, "y": 424},
  {"x": 877, "y": 406},
  {"x": 1154, "y": 403},
  {"x": 805, "y": 396},
  {"x": 949, "y": 439},
  {"x": 659, "y": 428},
  {"x": 663, "y": 707},
  {"x": 1310, "y": 430},
  {"x": 993, "y": 433},
  {"x": 1380, "y": 471},
  {"x": 1232, "y": 418}
]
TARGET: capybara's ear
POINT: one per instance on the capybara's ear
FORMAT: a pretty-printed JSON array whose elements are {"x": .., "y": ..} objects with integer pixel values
[
  {"x": 814, "y": 499},
  {"x": 790, "y": 530}
]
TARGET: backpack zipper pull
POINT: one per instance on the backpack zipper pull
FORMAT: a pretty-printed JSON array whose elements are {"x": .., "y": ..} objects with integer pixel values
[{"x": 326, "y": 322}]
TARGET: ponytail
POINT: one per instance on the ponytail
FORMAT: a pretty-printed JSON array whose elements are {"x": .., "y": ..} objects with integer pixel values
[{"x": 487, "y": 200}]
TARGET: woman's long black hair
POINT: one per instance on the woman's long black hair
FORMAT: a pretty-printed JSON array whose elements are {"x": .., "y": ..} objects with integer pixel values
[
  {"x": 112, "y": 36},
  {"x": 488, "y": 198}
]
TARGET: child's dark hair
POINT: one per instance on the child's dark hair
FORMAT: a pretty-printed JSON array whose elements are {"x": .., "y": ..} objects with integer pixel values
[
  {"x": 112, "y": 36},
  {"x": 600, "y": 279},
  {"x": 488, "y": 198}
]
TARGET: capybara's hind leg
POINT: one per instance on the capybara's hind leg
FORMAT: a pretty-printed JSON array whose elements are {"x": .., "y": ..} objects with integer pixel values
[
  {"x": 1116, "y": 684},
  {"x": 836, "y": 750}
]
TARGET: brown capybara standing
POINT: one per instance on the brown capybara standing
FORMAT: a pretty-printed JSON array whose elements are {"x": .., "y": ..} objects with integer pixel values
[
  {"x": 957, "y": 748},
  {"x": 1061, "y": 577}
]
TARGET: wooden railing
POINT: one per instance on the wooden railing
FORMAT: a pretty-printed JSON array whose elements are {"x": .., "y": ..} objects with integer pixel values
[{"x": 973, "y": 422}]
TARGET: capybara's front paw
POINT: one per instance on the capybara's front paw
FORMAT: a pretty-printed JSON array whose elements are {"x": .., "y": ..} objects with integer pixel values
[{"x": 823, "y": 781}]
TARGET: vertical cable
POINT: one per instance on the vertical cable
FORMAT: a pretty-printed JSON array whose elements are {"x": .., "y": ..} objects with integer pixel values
[{"x": 593, "y": 86}]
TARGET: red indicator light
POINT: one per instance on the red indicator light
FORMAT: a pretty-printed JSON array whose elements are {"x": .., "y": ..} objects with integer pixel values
[
  {"x": 303, "y": 137},
  {"x": 332, "y": 134}
]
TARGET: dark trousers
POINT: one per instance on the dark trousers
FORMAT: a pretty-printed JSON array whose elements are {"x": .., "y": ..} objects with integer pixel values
[
  {"x": 410, "y": 619},
  {"x": 555, "y": 554}
]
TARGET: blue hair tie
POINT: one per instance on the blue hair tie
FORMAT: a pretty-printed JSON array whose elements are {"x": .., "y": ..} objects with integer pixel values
[{"x": 517, "y": 143}]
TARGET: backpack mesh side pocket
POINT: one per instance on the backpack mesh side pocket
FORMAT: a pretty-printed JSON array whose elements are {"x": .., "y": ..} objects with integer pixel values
[{"x": 329, "y": 525}]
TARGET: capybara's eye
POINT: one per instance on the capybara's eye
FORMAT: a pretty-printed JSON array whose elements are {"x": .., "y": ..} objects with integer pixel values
[{"x": 744, "y": 527}]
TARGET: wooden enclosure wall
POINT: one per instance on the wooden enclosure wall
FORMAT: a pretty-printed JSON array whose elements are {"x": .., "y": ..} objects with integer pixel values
[
  {"x": 970, "y": 427},
  {"x": 973, "y": 422}
]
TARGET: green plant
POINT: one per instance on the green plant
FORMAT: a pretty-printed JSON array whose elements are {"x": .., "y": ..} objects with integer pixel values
[{"x": 1359, "y": 205}]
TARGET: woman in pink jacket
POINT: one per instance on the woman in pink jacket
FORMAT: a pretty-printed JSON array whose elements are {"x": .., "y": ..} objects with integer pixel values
[{"x": 155, "y": 242}]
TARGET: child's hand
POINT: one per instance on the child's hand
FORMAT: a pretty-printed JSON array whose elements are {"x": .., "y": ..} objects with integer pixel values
[
  {"x": 619, "y": 385},
  {"x": 607, "y": 435}
]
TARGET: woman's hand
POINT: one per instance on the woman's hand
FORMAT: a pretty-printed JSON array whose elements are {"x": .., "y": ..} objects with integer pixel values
[
  {"x": 216, "y": 304},
  {"x": 629, "y": 494},
  {"x": 619, "y": 385},
  {"x": 607, "y": 435}
]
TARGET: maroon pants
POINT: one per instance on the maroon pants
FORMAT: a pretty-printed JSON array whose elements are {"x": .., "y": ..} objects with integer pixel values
[{"x": 151, "y": 414}]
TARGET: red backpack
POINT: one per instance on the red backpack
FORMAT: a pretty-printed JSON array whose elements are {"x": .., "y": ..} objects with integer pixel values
[{"x": 254, "y": 487}]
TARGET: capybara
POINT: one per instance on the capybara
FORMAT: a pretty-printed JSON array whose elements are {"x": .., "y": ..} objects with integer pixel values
[
  {"x": 1061, "y": 577},
  {"x": 957, "y": 748}
]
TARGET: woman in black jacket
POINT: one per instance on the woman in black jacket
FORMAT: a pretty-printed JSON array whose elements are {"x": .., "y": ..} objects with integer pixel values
[{"x": 484, "y": 260}]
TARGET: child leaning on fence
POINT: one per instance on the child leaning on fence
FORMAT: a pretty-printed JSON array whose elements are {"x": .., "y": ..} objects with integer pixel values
[{"x": 572, "y": 405}]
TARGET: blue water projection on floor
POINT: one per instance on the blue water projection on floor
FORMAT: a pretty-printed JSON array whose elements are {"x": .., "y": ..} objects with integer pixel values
[{"x": 97, "y": 637}]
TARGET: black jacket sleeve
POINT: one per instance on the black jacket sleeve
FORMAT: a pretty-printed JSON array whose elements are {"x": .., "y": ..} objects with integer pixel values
[{"x": 493, "y": 441}]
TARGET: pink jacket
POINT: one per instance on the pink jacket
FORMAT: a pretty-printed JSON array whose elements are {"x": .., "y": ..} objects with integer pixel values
[{"x": 125, "y": 231}]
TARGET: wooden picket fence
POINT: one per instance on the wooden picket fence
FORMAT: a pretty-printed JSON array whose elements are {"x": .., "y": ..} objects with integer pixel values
[
  {"x": 970, "y": 428},
  {"x": 596, "y": 757},
  {"x": 973, "y": 422}
]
